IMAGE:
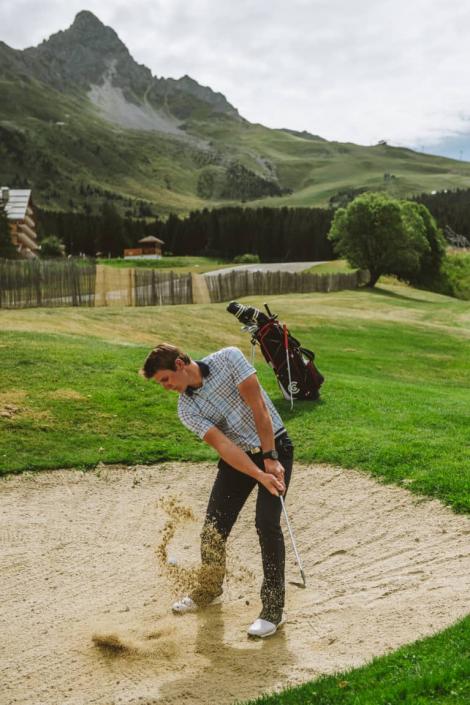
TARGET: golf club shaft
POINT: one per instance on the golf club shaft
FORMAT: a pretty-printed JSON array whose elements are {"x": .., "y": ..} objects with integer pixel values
[
  {"x": 286, "y": 345},
  {"x": 299, "y": 562}
]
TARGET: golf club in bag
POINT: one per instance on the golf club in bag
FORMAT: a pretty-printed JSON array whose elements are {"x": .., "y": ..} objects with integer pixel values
[{"x": 293, "y": 365}]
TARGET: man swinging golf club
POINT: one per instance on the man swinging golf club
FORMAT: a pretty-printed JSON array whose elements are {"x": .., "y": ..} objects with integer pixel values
[{"x": 222, "y": 402}]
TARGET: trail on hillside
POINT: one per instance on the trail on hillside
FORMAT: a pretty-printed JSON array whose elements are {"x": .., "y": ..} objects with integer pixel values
[{"x": 91, "y": 562}]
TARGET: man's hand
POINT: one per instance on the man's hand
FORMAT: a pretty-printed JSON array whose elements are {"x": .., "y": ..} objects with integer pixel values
[
  {"x": 274, "y": 467},
  {"x": 273, "y": 479}
]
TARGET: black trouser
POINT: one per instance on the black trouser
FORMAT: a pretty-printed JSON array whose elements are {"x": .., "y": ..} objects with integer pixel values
[{"x": 229, "y": 493}]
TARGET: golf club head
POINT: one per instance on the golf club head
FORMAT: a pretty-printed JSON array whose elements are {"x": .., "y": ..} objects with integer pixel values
[{"x": 303, "y": 584}]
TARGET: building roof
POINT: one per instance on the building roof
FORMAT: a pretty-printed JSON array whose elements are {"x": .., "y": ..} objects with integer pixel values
[
  {"x": 151, "y": 239},
  {"x": 17, "y": 204}
]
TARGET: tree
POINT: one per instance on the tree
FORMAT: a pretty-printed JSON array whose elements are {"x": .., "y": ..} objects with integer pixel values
[
  {"x": 111, "y": 236},
  {"x": 7, "y": 248},
  {"x": 432, "y": 259},
  {"x": 51, "y": 247},
  {"x": 381, "y": 234}
]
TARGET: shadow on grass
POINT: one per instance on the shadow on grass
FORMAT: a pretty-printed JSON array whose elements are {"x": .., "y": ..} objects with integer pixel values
[
  {"x": 301, "y": 406},
  {"x": 379, "y": 291}
]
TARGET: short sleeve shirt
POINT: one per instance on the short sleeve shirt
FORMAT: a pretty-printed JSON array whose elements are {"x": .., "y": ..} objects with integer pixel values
[{"x": 219, "y": 403}]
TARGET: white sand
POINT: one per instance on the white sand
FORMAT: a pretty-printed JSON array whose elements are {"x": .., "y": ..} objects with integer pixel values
[{"x": 79, "y": 559}]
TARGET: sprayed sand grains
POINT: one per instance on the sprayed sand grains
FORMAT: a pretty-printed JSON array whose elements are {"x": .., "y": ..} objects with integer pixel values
[
  {"x": 199, "y": 581},
  {"x": 87, "y": 585},
  {"x": 157, "y": 643}
]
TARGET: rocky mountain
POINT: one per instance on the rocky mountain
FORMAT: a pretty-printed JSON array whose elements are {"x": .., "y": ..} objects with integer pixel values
[
  {"x": 81, "y": 122},
  {"x": 91, "y": 57}
]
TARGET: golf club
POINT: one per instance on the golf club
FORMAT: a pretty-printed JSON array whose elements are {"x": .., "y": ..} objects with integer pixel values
[
  {"x": 303, "y": 584},
  {"x": 286, "y": 345}
]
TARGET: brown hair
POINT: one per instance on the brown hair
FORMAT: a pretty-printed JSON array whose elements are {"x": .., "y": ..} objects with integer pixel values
[{"x": 163, "y": 357}]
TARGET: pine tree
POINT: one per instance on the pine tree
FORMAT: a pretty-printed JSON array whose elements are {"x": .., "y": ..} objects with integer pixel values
[{"x": 111, "y": 236}]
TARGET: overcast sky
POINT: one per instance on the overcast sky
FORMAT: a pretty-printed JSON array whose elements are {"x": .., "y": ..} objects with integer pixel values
[{"x": 348, "y": 70}]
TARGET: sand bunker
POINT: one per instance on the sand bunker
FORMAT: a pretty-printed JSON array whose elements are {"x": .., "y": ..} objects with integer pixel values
[{"x": 91, "y": 562}]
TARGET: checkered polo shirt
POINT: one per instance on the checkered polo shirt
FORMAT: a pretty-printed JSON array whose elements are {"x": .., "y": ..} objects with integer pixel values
[{"x": 219, "y": 403}]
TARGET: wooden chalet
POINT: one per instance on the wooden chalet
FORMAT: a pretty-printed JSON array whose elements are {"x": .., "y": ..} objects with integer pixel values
[
  {"x": 20, "y": 213},
  {"x": 151, "y": 248}
]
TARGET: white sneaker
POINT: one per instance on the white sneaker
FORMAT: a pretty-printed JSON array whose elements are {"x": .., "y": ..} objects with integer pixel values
[
  {"x": 183, "y": 606},
  {"x": 262, "y": 628},
  {"x": 187, "y": 604}
]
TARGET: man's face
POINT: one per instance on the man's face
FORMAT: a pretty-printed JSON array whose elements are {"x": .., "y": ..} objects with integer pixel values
[{"x": 173, "y": 380}]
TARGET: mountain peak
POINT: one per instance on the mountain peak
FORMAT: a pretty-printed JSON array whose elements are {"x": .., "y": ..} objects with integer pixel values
[
  {"x": 80, "y": 55},
  {"x": 88, "y": 30},
  {"x": 90, "y": 56},
  {"x": 86, "y": 20}
]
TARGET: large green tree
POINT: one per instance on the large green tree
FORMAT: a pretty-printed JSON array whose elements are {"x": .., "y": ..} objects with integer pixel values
[
  {"x": 383, "y": 235},
  {"x": 7, "y": 248}
]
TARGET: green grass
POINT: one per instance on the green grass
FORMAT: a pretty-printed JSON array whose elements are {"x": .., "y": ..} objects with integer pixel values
[
  {"x": 199, "y": 265},
  {"x": 395, "y": 403},
  {"x": 432, "y": 671}
]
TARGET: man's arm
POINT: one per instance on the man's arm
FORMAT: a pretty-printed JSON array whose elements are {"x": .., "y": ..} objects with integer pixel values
[
  {"x": 250, "y": 392},
  {"x": 238, "y": 459}
]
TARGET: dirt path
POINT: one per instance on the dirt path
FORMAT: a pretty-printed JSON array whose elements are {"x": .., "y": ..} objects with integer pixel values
[{"x": 80, "y": 558}]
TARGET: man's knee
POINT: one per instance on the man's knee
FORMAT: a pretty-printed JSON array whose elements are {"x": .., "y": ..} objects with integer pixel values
[{"x": 268, "y": 526}]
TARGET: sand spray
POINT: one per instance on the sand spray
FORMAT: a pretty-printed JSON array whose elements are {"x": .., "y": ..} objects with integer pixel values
[{"x": 202, "y": 580}]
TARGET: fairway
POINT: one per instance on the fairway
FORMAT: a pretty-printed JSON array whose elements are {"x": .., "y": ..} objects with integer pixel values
[
  {"x": 99, "y": 454},
  {"x": 82, "y": 562}
]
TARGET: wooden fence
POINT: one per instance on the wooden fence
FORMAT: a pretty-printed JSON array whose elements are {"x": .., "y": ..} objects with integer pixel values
[
  {"x": 132, "y": 286},
  {"x": 76, "y": 283},
  {"x": 31, "y": 283},
  {"x": 234, "y": 285},
  {"x": 114, "y": 287},
  {"x": 154, "y": 288}
]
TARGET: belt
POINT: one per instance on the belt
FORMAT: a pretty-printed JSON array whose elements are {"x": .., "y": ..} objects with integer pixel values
[{"x": 255, "y": 451}]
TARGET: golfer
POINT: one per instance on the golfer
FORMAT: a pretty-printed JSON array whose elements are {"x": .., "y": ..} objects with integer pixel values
[{"x": 221, "y": 400}]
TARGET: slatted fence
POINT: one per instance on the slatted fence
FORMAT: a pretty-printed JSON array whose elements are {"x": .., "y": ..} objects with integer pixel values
[
  {"x": 154, "y": 288},
  {"x": 235, "y": 284},
  {"x": 77, "y": 283},
  {"x": 31, "y": 283}
]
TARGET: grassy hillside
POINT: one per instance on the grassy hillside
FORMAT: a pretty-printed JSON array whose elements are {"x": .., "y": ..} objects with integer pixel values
[
  {"x": 316, "y": 169},
  {"x": 87, "y": 152},
  {"x": 86, "y": 159}
]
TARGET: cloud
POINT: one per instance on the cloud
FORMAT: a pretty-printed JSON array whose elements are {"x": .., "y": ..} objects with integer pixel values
[{"x": 358, "y": 71}]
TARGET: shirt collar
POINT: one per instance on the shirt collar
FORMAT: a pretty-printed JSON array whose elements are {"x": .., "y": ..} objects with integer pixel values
[{"x": 205, "y": 371}]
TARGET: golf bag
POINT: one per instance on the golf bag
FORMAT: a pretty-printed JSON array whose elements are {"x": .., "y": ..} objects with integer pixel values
[{"x": 294, "y": 366}]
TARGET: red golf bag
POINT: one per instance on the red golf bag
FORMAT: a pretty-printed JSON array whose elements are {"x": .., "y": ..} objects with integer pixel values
[{"x": 293, "y": 365}]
